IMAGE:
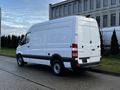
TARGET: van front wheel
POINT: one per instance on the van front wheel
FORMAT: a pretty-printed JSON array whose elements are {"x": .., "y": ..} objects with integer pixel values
[
  {"x": 57, "y": 68},
  {"x": 20, "y": 61}
]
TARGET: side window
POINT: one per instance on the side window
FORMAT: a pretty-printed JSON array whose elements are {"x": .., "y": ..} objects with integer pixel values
[{"x": 26, "y": 39}]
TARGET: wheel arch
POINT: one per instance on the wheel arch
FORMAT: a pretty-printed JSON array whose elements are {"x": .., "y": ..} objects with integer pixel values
[
  {"x": 18, "y": 54},
  {"x": 56, "y": 57}
]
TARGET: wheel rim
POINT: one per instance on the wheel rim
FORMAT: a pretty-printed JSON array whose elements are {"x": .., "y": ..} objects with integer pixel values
[
  {"x": 57, "y": 68},
  {"x": 19, "y": 61}
]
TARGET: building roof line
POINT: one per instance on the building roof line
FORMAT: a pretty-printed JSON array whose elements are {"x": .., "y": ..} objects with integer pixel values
[{"x": 61, "y": 3}]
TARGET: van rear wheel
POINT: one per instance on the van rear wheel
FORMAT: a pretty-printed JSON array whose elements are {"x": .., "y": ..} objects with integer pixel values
[
  {"x": 20, "y": 61},
  {"x": 57, "y": 68}
]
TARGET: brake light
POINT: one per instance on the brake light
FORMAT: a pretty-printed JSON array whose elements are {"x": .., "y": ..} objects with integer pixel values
[{"x": 74, "y": 51}]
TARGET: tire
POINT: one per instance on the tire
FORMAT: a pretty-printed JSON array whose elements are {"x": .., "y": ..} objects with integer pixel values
[
  {"x": 57, "y": 67},
  {"x": 20, "y": 61}
]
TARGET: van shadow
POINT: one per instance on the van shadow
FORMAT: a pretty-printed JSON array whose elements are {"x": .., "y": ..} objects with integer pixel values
[{"x": 68, "y": 73}]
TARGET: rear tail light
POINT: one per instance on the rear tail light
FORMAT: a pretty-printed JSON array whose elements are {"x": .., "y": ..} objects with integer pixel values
[{"x": 74, "y": 51}]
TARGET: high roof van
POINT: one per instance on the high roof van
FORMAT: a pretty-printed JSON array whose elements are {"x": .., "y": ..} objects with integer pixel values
[{"x": 70, "y": 42}]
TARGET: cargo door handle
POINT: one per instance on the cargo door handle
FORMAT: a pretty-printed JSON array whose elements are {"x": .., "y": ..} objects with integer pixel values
[
  {"x": 93, "y": 49},
  {"x": 28, "y": 46},
  {"x": 82, "y": 46},
  {"x": 49, "y": 54}
]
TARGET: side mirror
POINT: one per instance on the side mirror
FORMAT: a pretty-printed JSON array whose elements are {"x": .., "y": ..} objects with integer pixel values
[{"x": 21, "y": 43}]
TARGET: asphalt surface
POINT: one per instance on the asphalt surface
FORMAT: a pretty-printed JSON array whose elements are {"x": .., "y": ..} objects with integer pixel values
[{"x": 37, "y": 77}]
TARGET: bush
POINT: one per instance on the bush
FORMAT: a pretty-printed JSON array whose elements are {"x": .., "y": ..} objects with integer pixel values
[{"x": 114, "y": 44}]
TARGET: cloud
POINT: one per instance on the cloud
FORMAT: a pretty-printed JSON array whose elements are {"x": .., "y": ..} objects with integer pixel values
[
  {"x": 19, "y": 22},
  {"x": 6, "y": 30},
  {"x": 19, "y": 16},
  {"x": 12, "y": 24}
]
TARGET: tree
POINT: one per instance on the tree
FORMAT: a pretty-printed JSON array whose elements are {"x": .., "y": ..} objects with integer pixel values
[
  {"x": 114, "y": 44},
  {"x": 102, "y": 45},
  {"x": 18, "y": 40},
  {"x": 11, "y": 41},
  {"x": 3, "y": 41}
]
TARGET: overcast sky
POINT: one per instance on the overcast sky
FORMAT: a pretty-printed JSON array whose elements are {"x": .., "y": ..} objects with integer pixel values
[{"x": 19, "y": 15}]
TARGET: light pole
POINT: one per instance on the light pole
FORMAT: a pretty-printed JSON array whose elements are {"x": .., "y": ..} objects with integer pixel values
[{"x": 0, "y": 27}]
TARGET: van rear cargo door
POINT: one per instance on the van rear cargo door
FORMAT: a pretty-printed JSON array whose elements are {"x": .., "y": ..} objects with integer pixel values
[
  {"x": 95, "y": 38},
  {"x": 84, "y": 40},
  {"x": 88, "y": 40}
]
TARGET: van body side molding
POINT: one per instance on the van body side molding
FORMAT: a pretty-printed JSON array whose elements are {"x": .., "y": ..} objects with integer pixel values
[
  {"x": 36, "y": 56},
  {"x": 65, "y": 59}
]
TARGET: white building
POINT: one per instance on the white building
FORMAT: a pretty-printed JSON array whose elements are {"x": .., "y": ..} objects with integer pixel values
[{"x": 106, "y": 12}]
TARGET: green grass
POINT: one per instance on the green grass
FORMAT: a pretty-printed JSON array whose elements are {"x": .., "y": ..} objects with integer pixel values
[
  {"x": 8, "y": 52},
  {"x": 110, "y": 63}
]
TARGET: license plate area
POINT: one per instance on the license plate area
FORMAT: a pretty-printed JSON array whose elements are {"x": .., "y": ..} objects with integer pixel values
[{"x": 84, "y": 60}]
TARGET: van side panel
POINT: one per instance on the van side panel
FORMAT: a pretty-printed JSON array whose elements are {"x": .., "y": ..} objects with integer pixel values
[{"x": 52, "y": 38}]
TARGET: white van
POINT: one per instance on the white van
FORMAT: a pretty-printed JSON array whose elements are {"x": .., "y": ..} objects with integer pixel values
[{"x": 71, "y": 42}]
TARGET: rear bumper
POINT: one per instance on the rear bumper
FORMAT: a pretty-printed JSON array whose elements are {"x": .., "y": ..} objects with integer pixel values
[
  {"x": 88, "y": 65},
  {"x": 76, "y": 65}
]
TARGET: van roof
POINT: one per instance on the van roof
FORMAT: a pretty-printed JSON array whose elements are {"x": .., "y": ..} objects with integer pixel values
[{"x": 68, "y": 18}]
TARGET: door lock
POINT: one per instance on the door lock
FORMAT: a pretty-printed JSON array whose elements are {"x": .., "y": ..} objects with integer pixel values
[
  {"x": 90, "y": 42},
  {"x": 93, "y": 49}
]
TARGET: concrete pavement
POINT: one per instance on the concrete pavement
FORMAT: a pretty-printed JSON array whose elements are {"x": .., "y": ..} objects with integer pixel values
[{"x": 37, "y": 77}]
